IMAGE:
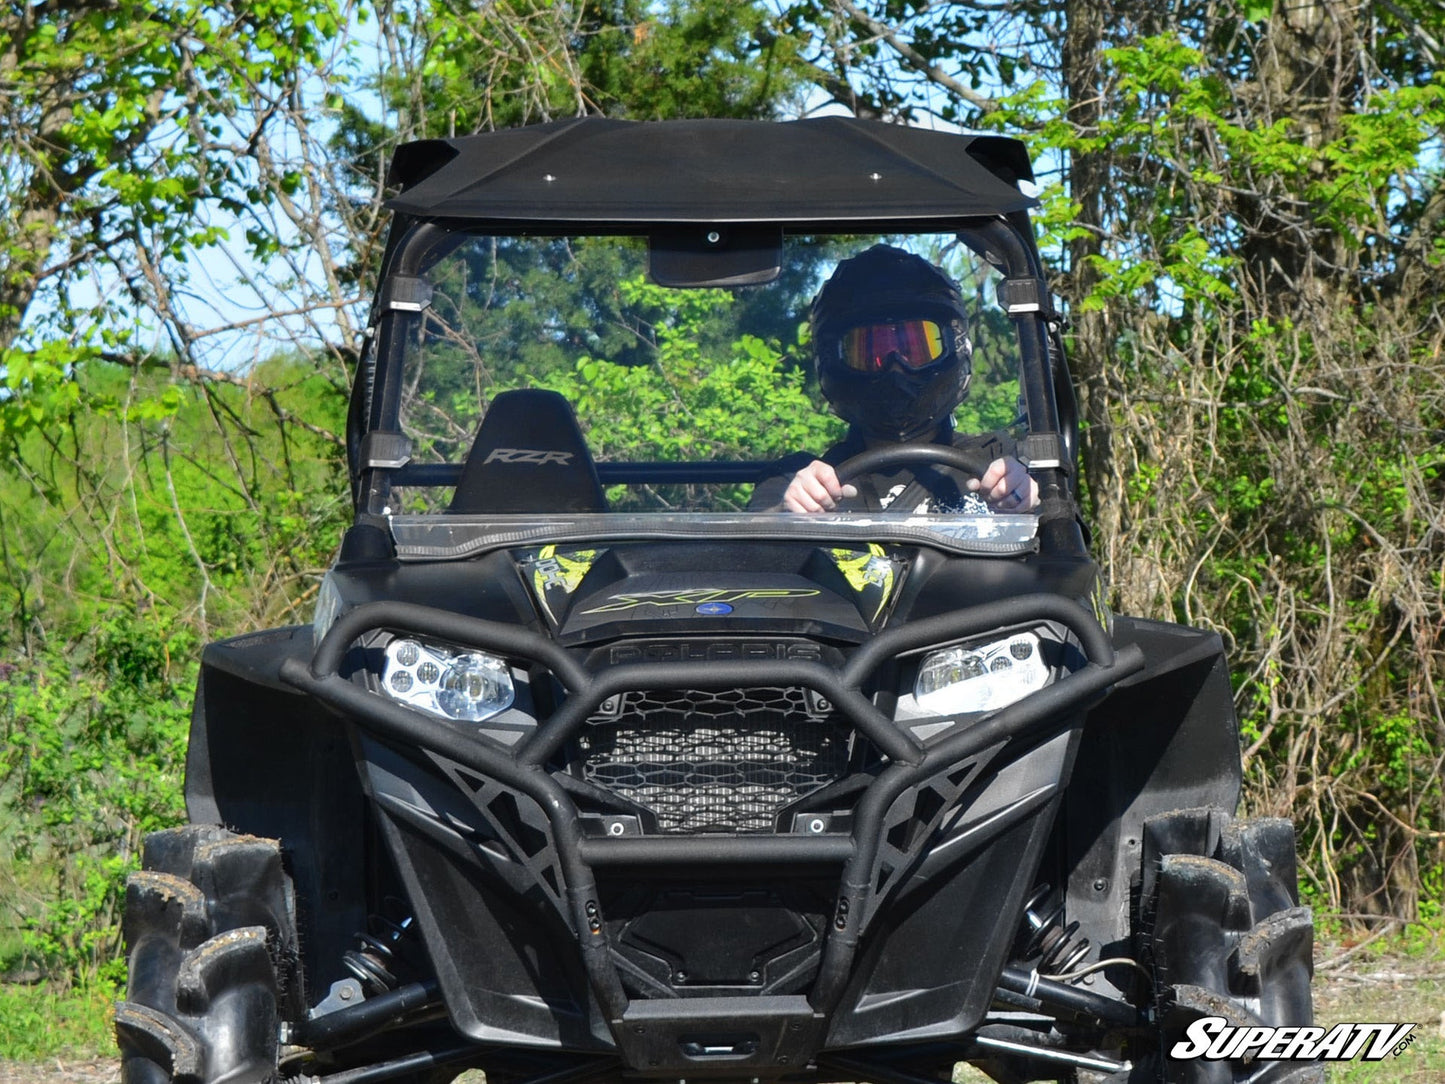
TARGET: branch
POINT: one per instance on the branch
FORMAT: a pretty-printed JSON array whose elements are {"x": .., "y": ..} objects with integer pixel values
[{"x": 914, "y": 58}]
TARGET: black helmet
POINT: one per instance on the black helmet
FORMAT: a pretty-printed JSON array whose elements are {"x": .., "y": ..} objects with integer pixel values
[{"x": 884, "y": 390}]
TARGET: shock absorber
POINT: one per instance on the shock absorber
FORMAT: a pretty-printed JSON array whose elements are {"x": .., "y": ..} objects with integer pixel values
[
  {"x": 373, "y": 960},
  {"x": 1049, "y": 938}
]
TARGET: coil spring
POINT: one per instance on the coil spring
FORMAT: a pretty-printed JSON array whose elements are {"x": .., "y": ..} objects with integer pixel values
[
  {"x": 373, "y": 959},
  {"x": 1049, "y": 939}
]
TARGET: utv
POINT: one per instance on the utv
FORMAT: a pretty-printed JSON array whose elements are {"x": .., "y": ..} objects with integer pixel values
[{"x": 586, "y": 771}]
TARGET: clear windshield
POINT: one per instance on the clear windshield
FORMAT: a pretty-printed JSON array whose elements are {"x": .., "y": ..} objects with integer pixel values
[{"x": 656, "y": 375}]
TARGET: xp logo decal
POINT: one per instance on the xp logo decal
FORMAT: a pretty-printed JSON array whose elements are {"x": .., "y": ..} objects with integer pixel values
[{"x": 698, "y": 598}]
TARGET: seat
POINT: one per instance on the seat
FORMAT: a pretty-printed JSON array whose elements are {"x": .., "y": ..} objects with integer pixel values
[{"x": 529, "y": 455}]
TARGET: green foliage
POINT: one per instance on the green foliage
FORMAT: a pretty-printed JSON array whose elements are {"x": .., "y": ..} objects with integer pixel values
[
  {"x": 128, "y": 528},
  {"x": 122, "y": 116},
  {"x": 1252, "y": 259},
  {"x": 92, "y": 758},
  {"x": 517, "y": 62},
  {"x": 695, "y": 401},
  {"x": 39, "y": 1024}
]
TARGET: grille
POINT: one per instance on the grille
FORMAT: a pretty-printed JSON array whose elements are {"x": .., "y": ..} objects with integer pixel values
[{"x": 715, "y": 761}]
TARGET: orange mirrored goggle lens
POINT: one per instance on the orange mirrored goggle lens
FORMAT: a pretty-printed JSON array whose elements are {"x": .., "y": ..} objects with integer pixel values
[{"x": 913, "y": 343}]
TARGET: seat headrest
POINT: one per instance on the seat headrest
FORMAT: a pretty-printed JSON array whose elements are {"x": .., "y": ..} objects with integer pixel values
[{"x": 529, "y": 456}]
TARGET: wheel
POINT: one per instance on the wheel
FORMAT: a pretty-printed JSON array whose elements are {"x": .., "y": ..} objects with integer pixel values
[
  {"x": 210, "y": 936},
  {"x": 1221, "y": 927},
  {"x": 970, "y": 461}
]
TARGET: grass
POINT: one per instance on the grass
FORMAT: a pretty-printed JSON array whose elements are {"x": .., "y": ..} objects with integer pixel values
[
  {"x": 37, "y": 1024},
  {"x": 1394, "y": 978}
]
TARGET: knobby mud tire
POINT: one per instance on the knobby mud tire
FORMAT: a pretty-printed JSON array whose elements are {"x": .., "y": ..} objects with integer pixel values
[
  {"x": 210, "y": 936},
  {"x": 1222, "y": 928}
]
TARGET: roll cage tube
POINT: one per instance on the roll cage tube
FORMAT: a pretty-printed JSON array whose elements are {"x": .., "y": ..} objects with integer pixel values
[
  {"x": 523, "y": 767},
  {"x": 1048, "y": 449},
  {"x": 398, "y": 311}
]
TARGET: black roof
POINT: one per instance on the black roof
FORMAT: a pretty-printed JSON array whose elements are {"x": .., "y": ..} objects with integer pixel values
[{"x": 609, "y": 172}]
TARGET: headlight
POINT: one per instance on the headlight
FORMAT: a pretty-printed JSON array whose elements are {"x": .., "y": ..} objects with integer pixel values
[
  {"x": 468, "y": 686},
  {"x": 981, "y": 677}
]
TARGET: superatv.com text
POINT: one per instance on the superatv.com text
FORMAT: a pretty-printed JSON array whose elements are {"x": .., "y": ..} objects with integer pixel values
[{"x": 1216, "y": 1039}]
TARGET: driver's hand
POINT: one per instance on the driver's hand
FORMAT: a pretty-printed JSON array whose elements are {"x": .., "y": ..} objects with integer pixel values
[
  {"x": 816, "y": 488},
  {"x": 1007, "y": 486}
]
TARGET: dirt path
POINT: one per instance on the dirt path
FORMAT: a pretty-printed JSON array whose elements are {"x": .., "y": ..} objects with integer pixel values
[{"x": 99, "y": 1071}]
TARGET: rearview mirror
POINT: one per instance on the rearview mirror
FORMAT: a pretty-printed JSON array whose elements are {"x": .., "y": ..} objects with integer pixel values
[{"x": 697, "y": 256}]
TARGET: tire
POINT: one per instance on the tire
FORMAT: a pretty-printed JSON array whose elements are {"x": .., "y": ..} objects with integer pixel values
[
  {"x": 1221, "y": 927},
  {"x": 210, "y": 936}
]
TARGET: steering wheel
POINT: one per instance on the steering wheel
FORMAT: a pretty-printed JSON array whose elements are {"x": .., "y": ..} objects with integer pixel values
[{"x": 971, "y": 461}]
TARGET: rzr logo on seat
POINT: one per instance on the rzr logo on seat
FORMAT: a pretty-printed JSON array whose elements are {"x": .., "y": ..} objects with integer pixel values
[{"x": 536, "y": 457}]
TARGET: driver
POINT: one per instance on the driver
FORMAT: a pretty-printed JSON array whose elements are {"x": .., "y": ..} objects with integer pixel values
[{"x": 891, "y": 344}]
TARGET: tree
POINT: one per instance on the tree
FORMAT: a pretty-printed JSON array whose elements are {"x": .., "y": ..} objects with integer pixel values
[
  {"x": 1249, "y": 231},
  {"x": 126, "y": 124},
  {"x": 190, "y": 211}
]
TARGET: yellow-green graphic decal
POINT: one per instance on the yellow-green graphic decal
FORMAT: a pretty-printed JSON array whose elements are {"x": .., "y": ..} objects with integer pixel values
[
  {"x": 871, "y": 573},
  {"x": 564, "y": 570},
  {"x": 698, "y": 596},
  {"x": 554, "y": 570}
]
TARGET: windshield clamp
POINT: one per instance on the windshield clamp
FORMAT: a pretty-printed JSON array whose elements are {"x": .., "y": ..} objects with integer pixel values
[
  {"x": 406, "y": 293},
  {"x": 1040, "y": 451},
  {"x": 1027, "y": 294},
  {"x": 383, "y": 450}
]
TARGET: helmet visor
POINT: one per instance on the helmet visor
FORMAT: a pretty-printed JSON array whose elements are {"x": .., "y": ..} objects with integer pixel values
[{"x": 914, "y": 344}]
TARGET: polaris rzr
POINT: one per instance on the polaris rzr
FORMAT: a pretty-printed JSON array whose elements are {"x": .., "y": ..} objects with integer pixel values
[{"x": 586, "y": 771}]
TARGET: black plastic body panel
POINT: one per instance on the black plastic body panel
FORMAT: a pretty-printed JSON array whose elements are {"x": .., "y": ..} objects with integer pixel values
[
  {"x": 929, "y": 969},
  {"x": 1168, "y": 738},
  {"x": 939, "y": 584},
  {"x": 269, "y": 762}
]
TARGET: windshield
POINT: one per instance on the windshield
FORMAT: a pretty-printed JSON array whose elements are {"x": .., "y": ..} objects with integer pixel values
[{"x": 687, "y": 401}]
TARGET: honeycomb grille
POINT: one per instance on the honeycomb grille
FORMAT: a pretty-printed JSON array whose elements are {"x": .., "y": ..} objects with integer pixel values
[{"x": 715, "y": 761}]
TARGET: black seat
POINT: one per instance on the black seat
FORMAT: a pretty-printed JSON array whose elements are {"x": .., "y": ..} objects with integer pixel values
[{"x": 529, "y": 456}]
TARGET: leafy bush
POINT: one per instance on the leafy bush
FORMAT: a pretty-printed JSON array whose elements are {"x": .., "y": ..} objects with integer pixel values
[{"x": 92, "y": 760}]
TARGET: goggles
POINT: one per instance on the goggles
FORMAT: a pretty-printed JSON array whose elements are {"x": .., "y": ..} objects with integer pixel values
[{"x": 915, "y": 344}]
